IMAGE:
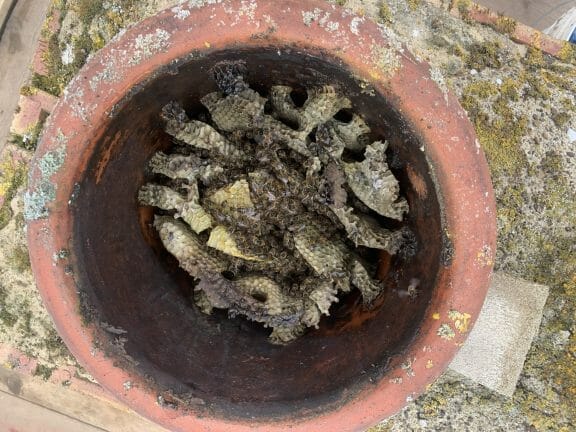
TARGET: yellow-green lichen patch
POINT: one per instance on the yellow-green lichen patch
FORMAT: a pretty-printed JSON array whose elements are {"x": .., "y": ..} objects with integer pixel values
[
  {"x": 567, "y": 53},
  {"x": 537, "y": 88},
  {"x": 509, "y": 90},
  {"x": 562, "y": 79},
  {"x": 385, "y": 14},
  {"x": 499, "y": 132},
  {"x": 413, "y": 4},
  {"x": 446, "y": 332},
  {"x": 505, "y": 25},
  {"x": 534, "y": 58},
  {"x": 460, "y": 319}
]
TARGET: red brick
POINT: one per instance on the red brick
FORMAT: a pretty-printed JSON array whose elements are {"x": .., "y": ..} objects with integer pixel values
[
  {"x": 38, "y": 64},
  {"x": 31, "y": 108},
  {"x": 52, "y": 24}
]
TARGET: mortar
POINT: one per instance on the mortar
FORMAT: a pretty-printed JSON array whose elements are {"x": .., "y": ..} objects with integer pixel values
[{"x": 119, "y": 299}]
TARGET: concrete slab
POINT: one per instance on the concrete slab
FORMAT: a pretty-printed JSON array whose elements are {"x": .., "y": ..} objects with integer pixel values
[
  {"x": 6, "y": 8},
  {"x": 535, "y": 13},
  {"x": 102, "y": 414},
  {"x": 17, "y": 415},
  {"x": 495, "y": 351},
  {"x": 17, "y": 47}
]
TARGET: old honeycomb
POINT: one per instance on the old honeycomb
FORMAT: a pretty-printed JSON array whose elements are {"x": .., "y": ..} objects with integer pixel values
[{"x": 274, "y": 207}]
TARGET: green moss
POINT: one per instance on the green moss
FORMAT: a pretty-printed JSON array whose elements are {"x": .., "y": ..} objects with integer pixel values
[
  {"x": 536, "y": 88},
  {"x": 482, "y": 89},
  {"x": 381, "y": 428},
  {"x": 505, "y": 25},
  {"x": 19, "y": 259},
  {"x": 11, "y": 178},
  {"x": 26, "y": 320},
  {"x": 385, "y": 14},
  {"x": 483, "y": 55},
  {"x": 457, "y": 50},
  {"x": 341, "y": 2},
  {"x": 560, "y": 118},
  {"x": 83, "y": 46},
  {"x": 509, "y": 89},
  {"x": 59, "y": 75},
  {"x": 43, "y": 371},
  {"x": 16, "y": 139},
  {"x": 510, "y": 201},
  {"x": 87, "y": 10},
  {"x": 49, "y": 84},
  {"x": 464, "y": 8},
  {"x": 413, "y": 4},
  {"x": 534, "y": 58},
  {"x": 98, "y": 42},
  {"x": 7, "y": 318},
  {"x": 55, "y": 345},
  {"x": 567, "y": 105},
  {"x": 28, "y": 90},
  {"x": 567, "y": 53},
  {"x": 29, "y": 141},
  {"x": 561, "y": 80}
]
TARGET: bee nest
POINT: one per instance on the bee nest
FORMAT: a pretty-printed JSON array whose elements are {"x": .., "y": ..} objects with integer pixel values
[{"x": 265, "y": 204}]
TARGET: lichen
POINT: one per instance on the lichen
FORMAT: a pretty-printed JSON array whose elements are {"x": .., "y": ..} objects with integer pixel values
[
  {"x": 275, "y": 247},
  {"x": 36, "y": 200},
  {"x": 146, "y": 45},
  {"x": 499, "y": 133}
]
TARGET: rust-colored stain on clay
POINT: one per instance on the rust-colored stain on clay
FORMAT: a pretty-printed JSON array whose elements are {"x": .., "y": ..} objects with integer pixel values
[{"x": 418, "y": 182}]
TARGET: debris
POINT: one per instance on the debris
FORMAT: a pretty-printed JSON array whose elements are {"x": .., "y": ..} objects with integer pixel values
[{"x": 271, "y": 189}]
